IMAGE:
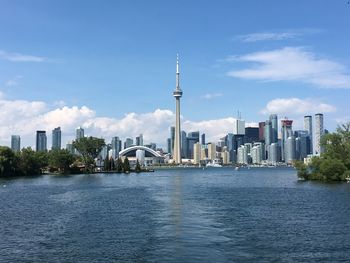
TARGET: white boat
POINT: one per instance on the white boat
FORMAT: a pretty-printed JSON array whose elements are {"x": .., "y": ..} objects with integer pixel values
[{"x": 214, "y": 163}]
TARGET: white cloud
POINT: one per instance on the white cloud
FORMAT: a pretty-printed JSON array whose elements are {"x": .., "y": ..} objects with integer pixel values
[
  {"x": 292, "y": 64},
  {"x": 25, "y": 117},
  {"x": 296, "y": 106},
  {"x": 209, "y": 96},
  {"x": 265, "y": 36},
  {"x": 17, "y": 57}
]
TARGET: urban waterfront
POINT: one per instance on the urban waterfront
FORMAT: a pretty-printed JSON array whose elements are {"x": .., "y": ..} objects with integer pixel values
[{"x": 176, "y": 215}]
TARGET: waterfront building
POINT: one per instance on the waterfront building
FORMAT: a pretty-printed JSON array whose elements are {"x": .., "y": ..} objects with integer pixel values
[
  {"x": 116, "y": 145},
  {"x": 79, "y": 133},
  {"x": 255, "y": 154},
  {"x": 172, "y": 139},
  {"x": 251, "y": 134},
  {"x": 16, "y": 143},
  {"x": 177, "y": 94},
  {"x": 239, "y": 127},
  {"x": 242, "y": 155},
  {"x": 70, "y": 148},
  {"x": 211, "y": 151},
  {"x": 302, "y": 144},
  {"x": 203, "y": 139},
  {"x": 261, "y": 146},
  {"x": 261, "y": 131},
  {"x": 184, "y": 145},
  {"x": 192, "y": 138},
  {"x": 308, "y": 128},
  {"x": 273, "y": 153},
  {"x": 56, "y": 139},
  {"x": 318, "y": 133},
  {"x": 168, "y": 141},
  {"x": 196, "y": 153},
  {"x": 128, "y": 143},
  {"x": 139, "y": 140},
  {"x": 41, "y": 141},
  {"x": 204, "y": 152},
  {"x": 225, "y": 157},
  {"x": 290, "y": 150},
  {"x": 286, "y": 131},
  {"x": 268, "y": 132},
  {"x": 274, "y": 128}
]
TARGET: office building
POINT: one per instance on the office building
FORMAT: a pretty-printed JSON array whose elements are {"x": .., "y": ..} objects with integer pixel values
[
  {"x": 251, "y": 134},
  {"x": 211, "y": 151},
  {"x": 116, "y": 146},
  {"x": 16, "y": 143},
  {"x": 308, "y": 128},
  {"x": 56, "y": 139},
  {"x": 203, "y": 138},
  {"x": 139, "y": 140},
  {"x": 168, "y": 142},
  {"x": 41, "y": 141},
  {"x": 290, "y": 150},
  {"x": 192, "y": 138},
  {"x": 79, "y": 133},
  {"x": 255, "y": 154},
  {"x": 261, "y": 131},
  {"x": 70, "y": 148},
  {"x": 319, "y": 131},
  {"x": 196, "y": 153},
  {"x": 172, "y": 139},
  {"x": 242, "y": 155},
  {"x": 184, "y": 145},
  {"x": 274, "y": 128},
  {"x": 273, "y": 152},
  {"x": 239, "y": 127},
  {"x": 128, "y": 143},
  {"x": 286, "y": 131}
]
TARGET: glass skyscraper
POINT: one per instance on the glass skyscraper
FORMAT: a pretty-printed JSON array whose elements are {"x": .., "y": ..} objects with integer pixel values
[{"x": 56, "y": 138}]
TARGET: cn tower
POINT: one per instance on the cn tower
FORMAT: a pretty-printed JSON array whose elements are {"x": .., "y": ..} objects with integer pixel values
[{"x": 177, "y": 94}]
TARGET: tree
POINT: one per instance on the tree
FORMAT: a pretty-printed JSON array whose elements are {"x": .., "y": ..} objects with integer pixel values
[
  {"x": 112, "y": 164},
  {"x": 119, "y": 165},
  {"x": 89, "y": 148},
  {"x": 126, "y": 165},
  {"x": 8, "y": 162},
  {"x": 31, "y": 162},
  {"x": 138, "y": 166},
  {"x": 61, "y": 160},
  {"x": 107, "y": 165},
  {"x": 302, "y": 170}
]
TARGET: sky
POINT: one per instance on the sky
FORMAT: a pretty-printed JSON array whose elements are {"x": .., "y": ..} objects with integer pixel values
[{"x": 109, "y": 66}]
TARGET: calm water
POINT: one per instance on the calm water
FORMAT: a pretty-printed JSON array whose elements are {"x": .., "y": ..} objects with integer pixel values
[{"x": 184, "y": 215}]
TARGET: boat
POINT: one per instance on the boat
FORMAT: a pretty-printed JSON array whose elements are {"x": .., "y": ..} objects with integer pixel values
[
  {"x": 214, "y": 163},
  {"x": 237, "y": 168}
]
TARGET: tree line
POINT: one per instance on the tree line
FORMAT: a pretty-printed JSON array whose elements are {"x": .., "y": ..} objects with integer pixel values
[
  {"x": 28, "y": 162},
  {"x": 334, "y": 162}
]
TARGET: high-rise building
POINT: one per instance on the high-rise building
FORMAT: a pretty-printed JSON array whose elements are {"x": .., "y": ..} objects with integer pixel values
[
  {"x": 239, "y": 127},
  {"x": 128, "y": 143},
  {"x": 79, "y": 133},
  {"x": 172, "y": 139},
  {"x": 290, "y": 150},
  {"x": 211, "y": 151},
  {"x": 70, "y": 148},
  {"x": 196, "y": 153},
  {"x": 273, "y": 150},
  {"x": 308, "y": 128},
  {"x": 184, "y": 145},
  {"x": 56, "y": 139},
  {"x": 319, "y": 131},
  {"x": 177, "y": 94},
  {"x": 168, "y": 141},
  {"x": 255, "y": 154},
  {"x": 261, "y": 131},
  {"x": 116, "y": 145},
  {"x": 41, "y": 141},
  {"x": 139, "y": 140},
  {"x": 251, "y": 134},
  {"x": 274, "y": 128},
  {"x": 286, "y": 131},
  {"x": 242, "y": 155},
  {"x": 268, "y": 132},
  {"x": 192, "y": 138},
  {"x": 302, "y": 144},
  {"x": 16, "y": 143},
  {"x": 203, "y": 138}
]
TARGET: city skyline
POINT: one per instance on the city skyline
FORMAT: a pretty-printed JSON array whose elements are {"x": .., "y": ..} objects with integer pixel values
[{"x": 116, "y": 81}]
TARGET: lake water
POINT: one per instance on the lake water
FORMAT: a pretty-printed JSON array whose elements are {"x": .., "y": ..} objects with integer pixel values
[{"x": 180, "y": 215}]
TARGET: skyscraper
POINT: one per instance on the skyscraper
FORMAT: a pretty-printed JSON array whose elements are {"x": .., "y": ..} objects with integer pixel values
[
  {"x": 41, "y": 141},
  {"x": 203, "y": 138},
  {"x": 239, "y": 127},
  {"x": 308, "y": 128},
  {"x": 177, "y": 94},
  {"x": 56, "y": 139},
  {"x": 286, "y": 131},
  {"x": 79, "y": 133},
  {"x": 128, "y": 143},
  {"x": 192, "y": 138},
  {"x": 262, "y": 131},
  {"x": 274, "y": 128},
  {"x": 116, "y": 146},
  {"x": 172, "y": 139},
  {"x": 15, "y": 143},
  {"x": 268, "y": 133},
  {"x": 318, "y": 133},
  {"x": 184, "y": 145},
  {"x": 139, "y": 140}
]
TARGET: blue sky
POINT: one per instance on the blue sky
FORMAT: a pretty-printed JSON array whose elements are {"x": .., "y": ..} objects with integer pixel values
[{"x": 114, "y": 58}]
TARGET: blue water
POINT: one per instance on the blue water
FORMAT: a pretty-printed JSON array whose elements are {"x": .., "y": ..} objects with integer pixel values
[{"x": 180, "y": 215}]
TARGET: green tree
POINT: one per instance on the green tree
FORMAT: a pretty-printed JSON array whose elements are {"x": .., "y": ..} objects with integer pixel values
[
  {"x": 107, "y": 164},
  {"x": 61, "y": 160},
  {"x": 89, "y": 148},
  {"x": 119, "y": 165},
  {"x": 332, "y": 170},
  {"x": 31, "y": 162},
  {"x": 302, "y": 170},
  {"x": 112, "y": 166},
  {"x": 138, "y": 166},
  {"x": 126, "y": 165},
  {"x": 8, "y": 162}
]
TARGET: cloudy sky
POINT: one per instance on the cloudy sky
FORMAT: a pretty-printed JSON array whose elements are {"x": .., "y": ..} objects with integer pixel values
[{"x": 109, "y": 66}]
